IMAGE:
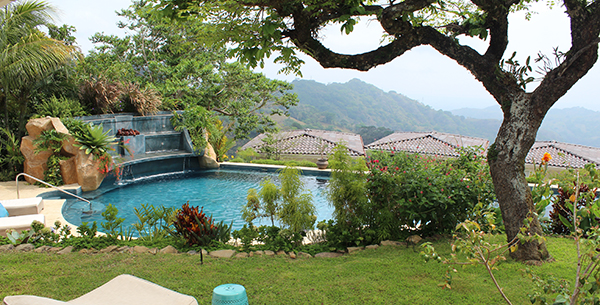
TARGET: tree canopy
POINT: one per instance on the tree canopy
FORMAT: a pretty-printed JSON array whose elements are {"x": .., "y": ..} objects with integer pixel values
[
  {"x": 27, "y": 56},
  {"x": 178, "y": 60},
  {"x": 259, "y": 28}
]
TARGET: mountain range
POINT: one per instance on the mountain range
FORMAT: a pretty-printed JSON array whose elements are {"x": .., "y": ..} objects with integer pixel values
[{"x": 355, "y": 104}]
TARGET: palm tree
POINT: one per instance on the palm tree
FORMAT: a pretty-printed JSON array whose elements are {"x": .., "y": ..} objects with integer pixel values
[{"x": 27, "y": 55}]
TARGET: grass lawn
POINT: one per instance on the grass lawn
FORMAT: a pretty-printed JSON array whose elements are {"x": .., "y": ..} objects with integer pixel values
[{"x": 387, "y": 275}]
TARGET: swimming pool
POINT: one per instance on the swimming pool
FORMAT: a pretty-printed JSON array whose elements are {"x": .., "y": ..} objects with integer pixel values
[{"x": 221, "y": 192}]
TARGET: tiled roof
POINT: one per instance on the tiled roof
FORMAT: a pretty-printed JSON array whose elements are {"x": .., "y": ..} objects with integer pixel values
[
  {"x": 563, "y": 154},
  {"x": 433, "y": 143},
  {"x": 309, "y": 142}
]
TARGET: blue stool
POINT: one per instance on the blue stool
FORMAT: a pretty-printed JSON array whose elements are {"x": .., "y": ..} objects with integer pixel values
[{"x": 229, "y": 294}]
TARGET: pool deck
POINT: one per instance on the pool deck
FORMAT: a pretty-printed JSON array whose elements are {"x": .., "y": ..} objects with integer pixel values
[{"x": 52, "y": 207}]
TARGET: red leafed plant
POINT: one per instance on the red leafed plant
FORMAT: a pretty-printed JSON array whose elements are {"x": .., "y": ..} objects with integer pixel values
[{"x": 198, "y": 229}]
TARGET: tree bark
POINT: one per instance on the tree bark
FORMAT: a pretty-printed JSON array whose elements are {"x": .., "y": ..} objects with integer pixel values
[{"x": 507, "y": 166}]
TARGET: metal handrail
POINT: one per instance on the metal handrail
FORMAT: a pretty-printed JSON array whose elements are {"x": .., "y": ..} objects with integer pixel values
[{"x": 48, "y": 184}]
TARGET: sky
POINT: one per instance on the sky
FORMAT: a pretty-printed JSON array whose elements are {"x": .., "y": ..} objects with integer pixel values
[{"x": 421, "y": 74}]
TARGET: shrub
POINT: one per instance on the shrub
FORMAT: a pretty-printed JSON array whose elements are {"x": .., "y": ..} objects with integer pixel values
[
  {"x": 60, "y": 108},
  {"x": 11, "y": 159},
  {"x": 432, "y": 195},
  {"x": 247, "y": 155},
  {"x": 347, "y": 193},
  {"x": 198, "y": 229}
]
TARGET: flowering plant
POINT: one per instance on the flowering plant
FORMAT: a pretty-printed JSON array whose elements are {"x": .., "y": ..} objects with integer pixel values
[{"x": 429, "y": 194}]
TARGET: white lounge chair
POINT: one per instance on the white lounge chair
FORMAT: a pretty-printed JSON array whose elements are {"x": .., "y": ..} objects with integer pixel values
[
  {"x": 19, "y": 223},
  {"x": 25, "y": 206},
  {"x": 21, "y": 213},
  {"x": 124, "y": 289}
]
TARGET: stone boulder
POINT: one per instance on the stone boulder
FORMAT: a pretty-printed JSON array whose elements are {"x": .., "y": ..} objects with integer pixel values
[
  {"x": 68, "y": 147},
  {"x": 35, "y": 127},
  {"x": 209, "y": 159},
  {"x": 68, "y": 170},
  {"x": 35, "y": 163},
  {"x": 88, "y": 175}
]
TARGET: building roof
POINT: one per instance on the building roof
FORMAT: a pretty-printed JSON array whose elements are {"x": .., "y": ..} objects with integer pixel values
[
  {"x": 310, "y": 142},
  {"x": 563, "y": 154},
  {"x": 433, "y": 143}
]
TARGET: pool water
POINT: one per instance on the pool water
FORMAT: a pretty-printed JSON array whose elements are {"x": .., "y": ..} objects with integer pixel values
[{"x": 222, "y": 193}]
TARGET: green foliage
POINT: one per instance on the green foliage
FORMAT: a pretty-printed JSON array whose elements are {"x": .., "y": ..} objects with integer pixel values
[
  {"x": 195, "y": 119},
  {"x": 28, "y": 57},
  {"x": 11, "y": 159},
  {"x": 198, "y": 229},
  {"x": 218, "y": 139},
  {"x": 408, "y": 192},
  {"x": 370, "y": 134},
  {"x": 60, "y": 108},
  {"x": 277, "y": 239},
  {"x": 113, "y": 223},
  {"x": 87, "y": 232},
  {"x": 297, "y": 211},
  {"x": 517, "y": 71},
  {"x": 247, "y": 155},
  {"x": 53, "y": 174},
  {"x": 94, "y": 140},
  {"x": 153, "y": 222},
  {"x": 50, "y": 140},
  {"x": 289, "y": 163},
  {"x": 16, "y": 238},
  {"x": 265, "y": 203},
  {"x": 247, "y": 235},
  {"x": 76, "y": 127},
  {"x": 347, "y": 192}
]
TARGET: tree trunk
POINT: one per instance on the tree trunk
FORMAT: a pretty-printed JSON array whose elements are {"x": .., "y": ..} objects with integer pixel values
[{"x": 507, "y": 166}]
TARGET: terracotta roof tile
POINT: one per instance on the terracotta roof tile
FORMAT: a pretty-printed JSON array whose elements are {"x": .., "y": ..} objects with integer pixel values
[
  {"x": 433, "y": 143},
  {"x": 564, "y": 154},
  {"x": 308, "y": 142}
]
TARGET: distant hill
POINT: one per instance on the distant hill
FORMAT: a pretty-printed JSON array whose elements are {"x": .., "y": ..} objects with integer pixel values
[
  {"x": 570, "y": 125},
  {"x": 356, "y": 103},
  {"x": 353, "y": 105}
]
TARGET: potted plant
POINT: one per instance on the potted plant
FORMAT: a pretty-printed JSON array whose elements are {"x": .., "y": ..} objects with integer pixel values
[{"x": 322, "y": 162}]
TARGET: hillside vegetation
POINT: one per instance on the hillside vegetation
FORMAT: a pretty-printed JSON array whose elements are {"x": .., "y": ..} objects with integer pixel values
[{"x": 354, "y": 105}]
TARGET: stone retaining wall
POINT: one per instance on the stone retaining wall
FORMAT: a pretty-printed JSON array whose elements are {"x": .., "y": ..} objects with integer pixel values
[{"x": 171, "y": 250}]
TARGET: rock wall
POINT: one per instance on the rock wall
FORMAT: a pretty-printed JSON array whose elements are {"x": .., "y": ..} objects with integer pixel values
[{"x": 79, "y": 168}]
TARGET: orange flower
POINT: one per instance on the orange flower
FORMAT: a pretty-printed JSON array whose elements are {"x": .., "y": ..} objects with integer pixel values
[{"x": 547, "y": 157}]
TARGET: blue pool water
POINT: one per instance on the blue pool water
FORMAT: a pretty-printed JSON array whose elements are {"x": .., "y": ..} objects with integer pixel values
[{"x": 222, "y": 193}]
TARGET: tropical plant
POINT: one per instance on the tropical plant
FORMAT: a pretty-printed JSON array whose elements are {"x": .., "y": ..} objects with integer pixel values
[
  {"x": 347, "y": 193},
  {"x": 153, "y": 222},
  {"x": 432, "y": 195},
  {"x": 217, "y": 137},
  {"x": 11, "y": 159},
  {"x": 113, "y": 225},
  {"x": 50, "y": 140},
  {"x": 143, "y": 100},
  {"x": 197, "y": 228},
  {"x": 100, "y": 95},
  {"x": 296, "y": 210},
  {"x": 16, "y": 238},
  {"x": 94, "y": 140},
  {"x": 27, "y": 56},
  {"x": 76, "y": 127},
  {"x": 265, "y": 203},
  {"x": 195, "y": 120},
  {"x": 60, "y": 108}
]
